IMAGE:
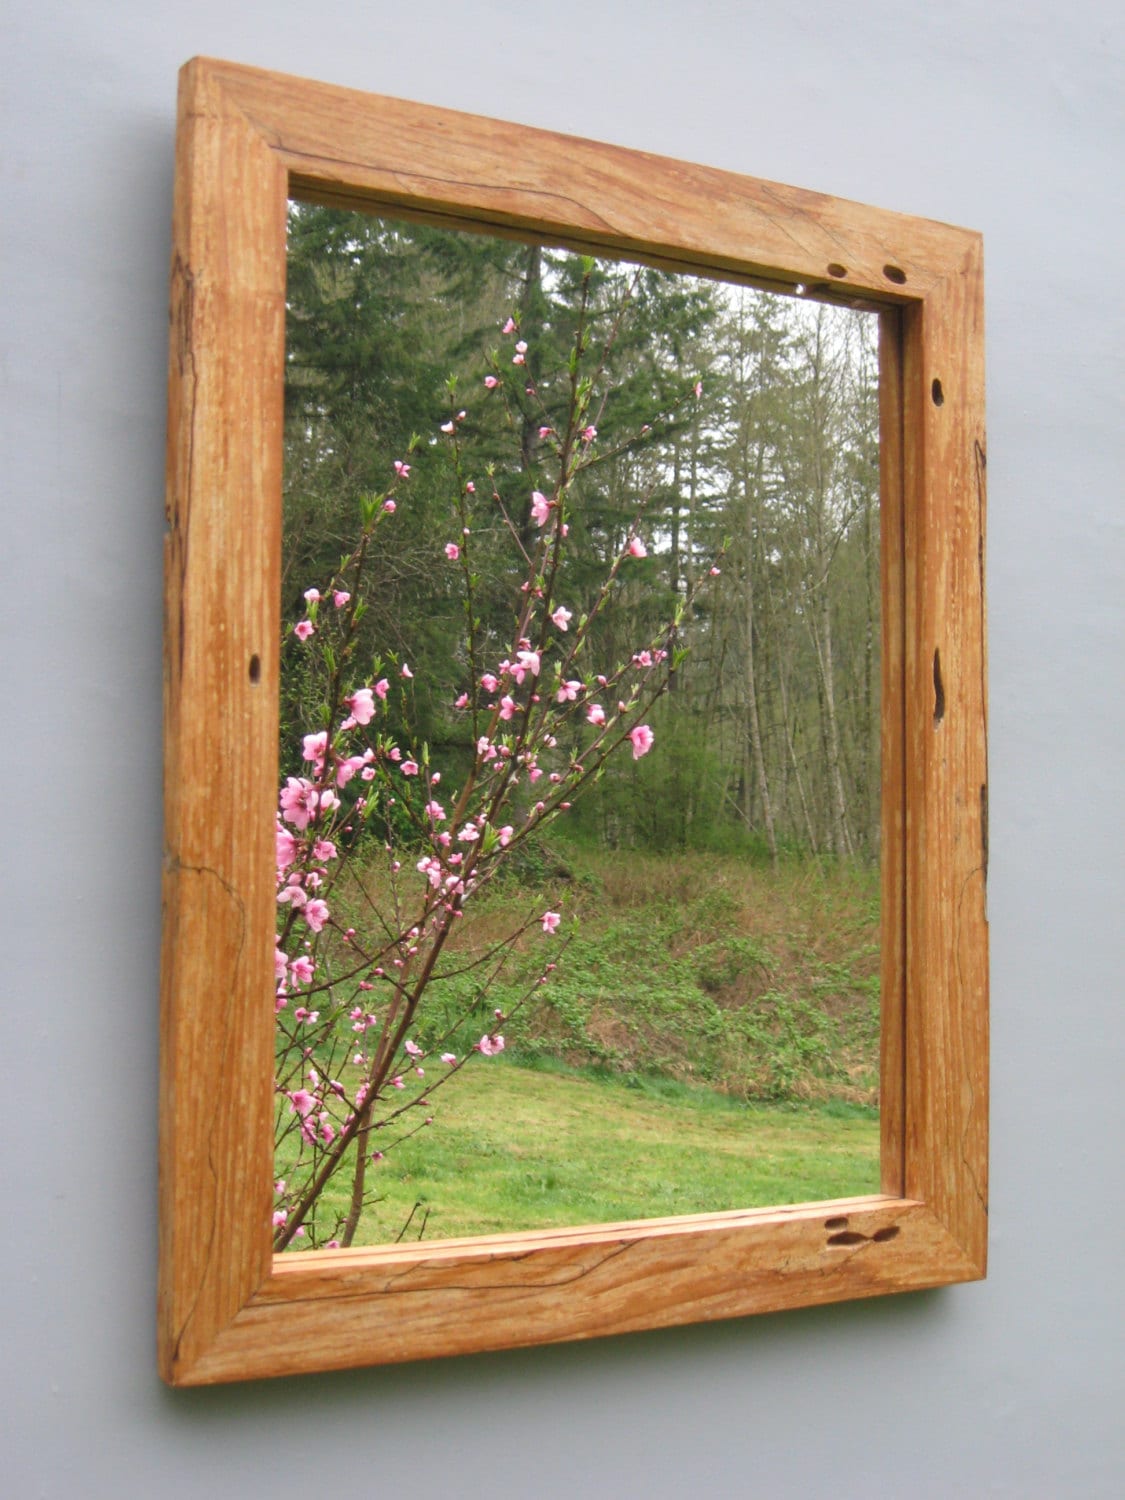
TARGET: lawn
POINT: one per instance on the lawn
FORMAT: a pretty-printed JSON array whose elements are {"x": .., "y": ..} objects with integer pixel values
[{"x": 514, "y": 1147}]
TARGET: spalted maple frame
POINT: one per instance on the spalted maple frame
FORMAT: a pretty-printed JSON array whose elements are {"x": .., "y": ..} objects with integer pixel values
[{"x": 229, "y": 1309}]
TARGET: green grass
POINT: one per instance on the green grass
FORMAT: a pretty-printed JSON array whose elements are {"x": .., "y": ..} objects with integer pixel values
[
  {"x": 709, "y": 1041},
  {"x": 517, "y": 1148}
]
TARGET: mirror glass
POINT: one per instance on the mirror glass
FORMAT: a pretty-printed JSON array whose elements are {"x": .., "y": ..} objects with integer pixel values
[{"x": 578, "y": 825}]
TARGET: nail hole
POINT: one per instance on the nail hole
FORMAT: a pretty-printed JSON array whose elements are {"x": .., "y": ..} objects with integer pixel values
[
  {"x": 937, "y": 393},
  {"x": 939, "y": 690},
  {"x": 895, "y": 274},
  {"x": 849, "y": 1237},
  {"x": 835, "y": 269},
  {"x": 837, "y": 1223},
  {"x": 881, "y": 1236},
  {"x": 255, "y": 668}
]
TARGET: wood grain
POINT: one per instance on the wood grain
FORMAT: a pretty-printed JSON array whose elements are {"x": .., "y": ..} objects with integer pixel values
[
  {"x": 892, "y": 849},
  {"x": 227, "y": 1309},
  {"x": 220, "y": 775},
  {"x": 947, "y": 777}
]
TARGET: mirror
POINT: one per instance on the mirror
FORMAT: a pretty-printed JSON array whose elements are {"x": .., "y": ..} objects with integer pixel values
[
  {"x": 248, "y": 143},
  {"x": 701, "y": 1031}
]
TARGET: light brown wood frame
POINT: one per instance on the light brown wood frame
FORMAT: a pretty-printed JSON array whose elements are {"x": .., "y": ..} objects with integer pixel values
[{"x": 228, "y": 1309}]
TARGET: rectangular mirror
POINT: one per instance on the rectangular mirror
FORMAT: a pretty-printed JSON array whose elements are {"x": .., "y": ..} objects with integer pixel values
[
  {"x": 709, "y": 1038},
  {"x": 655, "y": 511}
]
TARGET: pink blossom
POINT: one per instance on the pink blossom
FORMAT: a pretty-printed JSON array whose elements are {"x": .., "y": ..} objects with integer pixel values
[
  {"x": 298, "y": 801},
  {"x": 280, "y": 1217},
  {"x": 401, "y": 469},
  {"x": 568, "y": 691},
  {"x": 381, "y": 688},
  {"x": 340, "y": 598},
  {"x": 642, "y": 738},
  {"x": 303, "y": 629},
  {"x": 545, "y": 431},
  {"x": 313, "y": 746},
  {"x": 324, "y": 850},
  {"x": 397, "y": 1083},
  {"x": 447, "y": 427},
  {"x": 452, "y": 551},
  {"x": 637, "y": 548},
  {"x": 410, "y": 768},
  {"x": 509, "y": 326},
  {"x": 301, "y": 1102},
  {"x": 362, "y": 705},
  {"x": 527, "y": 661},
  {"x": 449, "y": 1057},
  {"x": 589, "y": 434},
  {"x": 462, "y": 701},
  {"x": 412, "y": 1048},
  {"x": 540, "y": 507},
  {"x": 507, "y": 707},
  {"x": 595, "y": 714},
  {"x": 521, "y": 347},
  {"x": 506, "y": 835},
  {"x": 489, "y": 683},
  {"x": 517, "y": 359},
  {"x": 280, "y": 963},
  {"x": 469, "y": 834},
  {"x": 405, "y": 671},
  {"x": 489, "y": 1046},
  {"x": 347, "y": 769},
  {"x": 642, "y": 658},
  {"x": 315, "y": 913},
  {"x": 434, "y": 810},
  {"x": 551, "y": 920},
  {"x": 714, "y": 572},
  {"x": 390, "y": 507},
  {"x": 312, "y": 596},
  {"x": 286, "y": 847},
  {"x": 303, "y": 969},
  {"x": 561, "y": 618},
  {"x": 491, "y": 382},
  {"x": 470, "y": 489},
  {"x": 698, "y": 388}
]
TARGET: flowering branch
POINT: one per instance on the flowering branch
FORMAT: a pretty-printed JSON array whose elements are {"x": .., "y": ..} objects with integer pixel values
[{"x": 339, "y": 988}]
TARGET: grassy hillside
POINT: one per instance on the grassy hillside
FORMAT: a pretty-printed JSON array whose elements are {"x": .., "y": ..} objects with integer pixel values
[{"x": 709, "y": 1040}]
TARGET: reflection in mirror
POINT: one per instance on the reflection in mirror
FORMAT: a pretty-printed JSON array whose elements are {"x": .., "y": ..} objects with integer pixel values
[{"x": 578, "y": 838}]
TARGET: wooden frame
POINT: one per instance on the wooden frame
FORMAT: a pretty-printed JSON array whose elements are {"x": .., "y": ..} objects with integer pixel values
[{"x": 228, "y": 1309}]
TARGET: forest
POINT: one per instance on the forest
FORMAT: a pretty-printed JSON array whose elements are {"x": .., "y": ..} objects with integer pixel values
[{"x": 771, "y": 723}]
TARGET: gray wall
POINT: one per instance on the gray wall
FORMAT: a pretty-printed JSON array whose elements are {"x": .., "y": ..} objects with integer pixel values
[{"x": 999, "y": 115}]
